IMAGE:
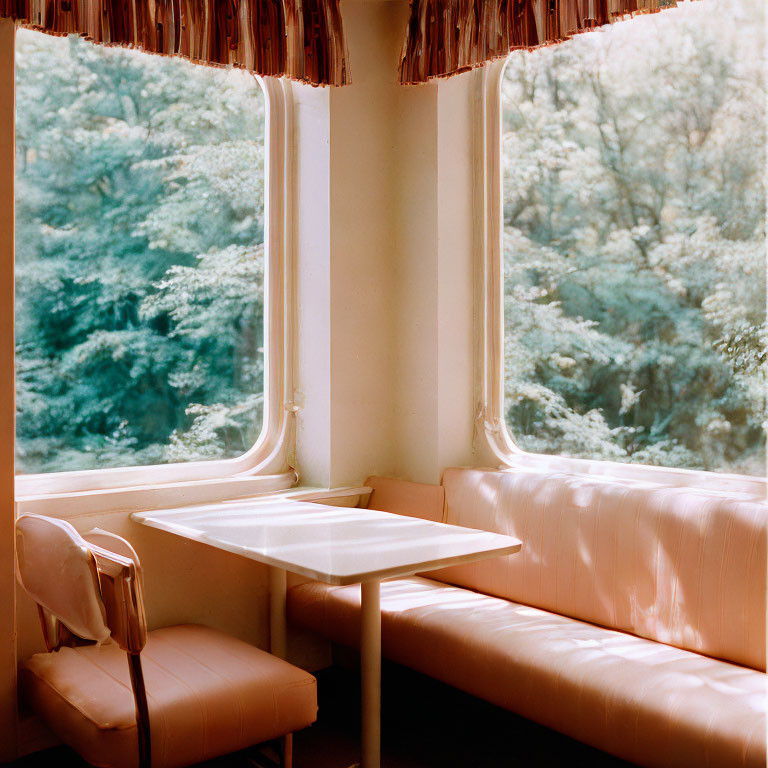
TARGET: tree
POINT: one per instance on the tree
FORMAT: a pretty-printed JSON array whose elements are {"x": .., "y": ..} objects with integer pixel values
[
  {"x": 140, "y": 262},
  {"x": 634, "y": 213}
]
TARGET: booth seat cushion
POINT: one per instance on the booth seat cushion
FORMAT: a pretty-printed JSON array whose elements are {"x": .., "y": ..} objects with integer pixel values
[
  {"x": 209, "y": 694},
  {"x": 403, "y": 497},
  {"x": 648, "y": 703},
  {"x": 679, "y": 565}
]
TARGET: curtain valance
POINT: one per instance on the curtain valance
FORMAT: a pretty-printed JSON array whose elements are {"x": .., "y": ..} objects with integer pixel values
[
  {"x": 301, "y": 39},
  {"x": 446, "y": 37}
]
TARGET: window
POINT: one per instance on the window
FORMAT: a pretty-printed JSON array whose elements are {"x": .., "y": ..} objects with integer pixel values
[
  {"x": 634, "y": 243},
  {"x": 140, "y": 258}
]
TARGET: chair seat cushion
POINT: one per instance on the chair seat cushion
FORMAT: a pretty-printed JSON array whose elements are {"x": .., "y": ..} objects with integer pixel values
[
  {"x": 646, "y": 702},
  {"x": 209, "y": 694}
]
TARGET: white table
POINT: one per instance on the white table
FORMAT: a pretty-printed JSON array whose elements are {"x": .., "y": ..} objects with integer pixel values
[{"x": 337, "y": 545}]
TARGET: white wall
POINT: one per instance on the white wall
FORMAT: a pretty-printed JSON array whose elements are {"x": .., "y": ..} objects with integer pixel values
[
  {"x": 346, "y": 335},
  {"x": 434, "y": 292},
  {"x": 385, "y": 282}
]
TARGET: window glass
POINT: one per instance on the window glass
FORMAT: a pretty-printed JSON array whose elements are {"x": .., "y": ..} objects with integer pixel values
[
  {"x": 634, "y": 241},
  {"x": 139, "y": 258}
]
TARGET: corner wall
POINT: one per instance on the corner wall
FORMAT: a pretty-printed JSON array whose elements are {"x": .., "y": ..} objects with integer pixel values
[
  {"x": 384, "y": 266},
  {"x": 435, "y": 287}
]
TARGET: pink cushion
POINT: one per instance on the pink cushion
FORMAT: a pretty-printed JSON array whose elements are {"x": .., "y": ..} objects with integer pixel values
[
  {"x": 648, "y": 703},
  {"x": 682, "y": 566},
  {"x": 405, "y": 498},
  {"x": 209, "y": 694}
]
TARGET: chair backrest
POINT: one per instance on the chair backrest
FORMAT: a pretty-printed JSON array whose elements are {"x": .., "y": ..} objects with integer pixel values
[
  {"x": 92, "y": 586},
  {"x": 406, "y": 498},
  {"x": 58, "y": 571},
  {"x": 682, "y": 566}
]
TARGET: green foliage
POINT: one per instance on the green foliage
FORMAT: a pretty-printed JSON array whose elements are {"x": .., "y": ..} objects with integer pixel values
[
  {"x": 140, "y": 261},
  {"x": 634, "y": 251}
]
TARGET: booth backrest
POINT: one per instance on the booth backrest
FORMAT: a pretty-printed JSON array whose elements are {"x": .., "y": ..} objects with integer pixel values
[
  {"x": 682, "y": 566},
  {"x": 406, "y": 498}
]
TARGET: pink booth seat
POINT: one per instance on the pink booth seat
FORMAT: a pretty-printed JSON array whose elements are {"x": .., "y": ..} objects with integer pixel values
[
  {"x": 123, "y": 697},
  {"x": 406, "y": 498},
  {"x": 649, "y": 703},
  {"x": 606, "y": 624}
]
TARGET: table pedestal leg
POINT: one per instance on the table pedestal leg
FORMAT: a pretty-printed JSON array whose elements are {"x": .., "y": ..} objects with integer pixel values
[
  {"x": 370, "y": 660},
  {"x": 277, "y": 620}
]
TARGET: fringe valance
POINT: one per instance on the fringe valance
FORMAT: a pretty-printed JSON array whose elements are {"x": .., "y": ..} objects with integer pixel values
[
  {"x": 299, "y": 39},
  {"x": 446, "y": 37}
]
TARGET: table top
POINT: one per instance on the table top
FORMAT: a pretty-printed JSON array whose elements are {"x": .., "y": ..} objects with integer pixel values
[{"x": 337, "y": 545}]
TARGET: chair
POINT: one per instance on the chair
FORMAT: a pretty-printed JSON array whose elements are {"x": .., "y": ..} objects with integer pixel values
[{"x": 186, "y": 694}]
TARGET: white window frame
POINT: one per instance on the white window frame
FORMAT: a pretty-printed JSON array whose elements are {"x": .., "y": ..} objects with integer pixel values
[
  {"x": 489, "y": 328},
  {"x": 267, "y": 465}
]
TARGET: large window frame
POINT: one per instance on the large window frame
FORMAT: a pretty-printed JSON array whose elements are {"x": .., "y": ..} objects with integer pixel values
[
  {"x": 489, "y": 327},
  {"x": 266, "y": 466}
]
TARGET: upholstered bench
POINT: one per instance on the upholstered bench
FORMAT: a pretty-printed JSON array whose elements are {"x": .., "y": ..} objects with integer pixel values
[{"x": 633, "y": 619}]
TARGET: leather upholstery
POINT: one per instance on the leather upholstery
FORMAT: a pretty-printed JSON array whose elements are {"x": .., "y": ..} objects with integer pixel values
[
  {"x": 652, "y": 704},
  {"x": 604, "y": 625},
  {"x": 682, "y": 566},
  {"x": 113, "y": 543},
  {"x": 209, "y": 694},
  {"x": 405, "y": 498},
  {"x": 57, "y": 569}
]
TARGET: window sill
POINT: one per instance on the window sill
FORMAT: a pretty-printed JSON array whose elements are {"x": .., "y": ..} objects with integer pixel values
[
  {"x": 70, "y": 505},
  {"x": 152, "y": 496},
  {"x": 513, "y": 457}
]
